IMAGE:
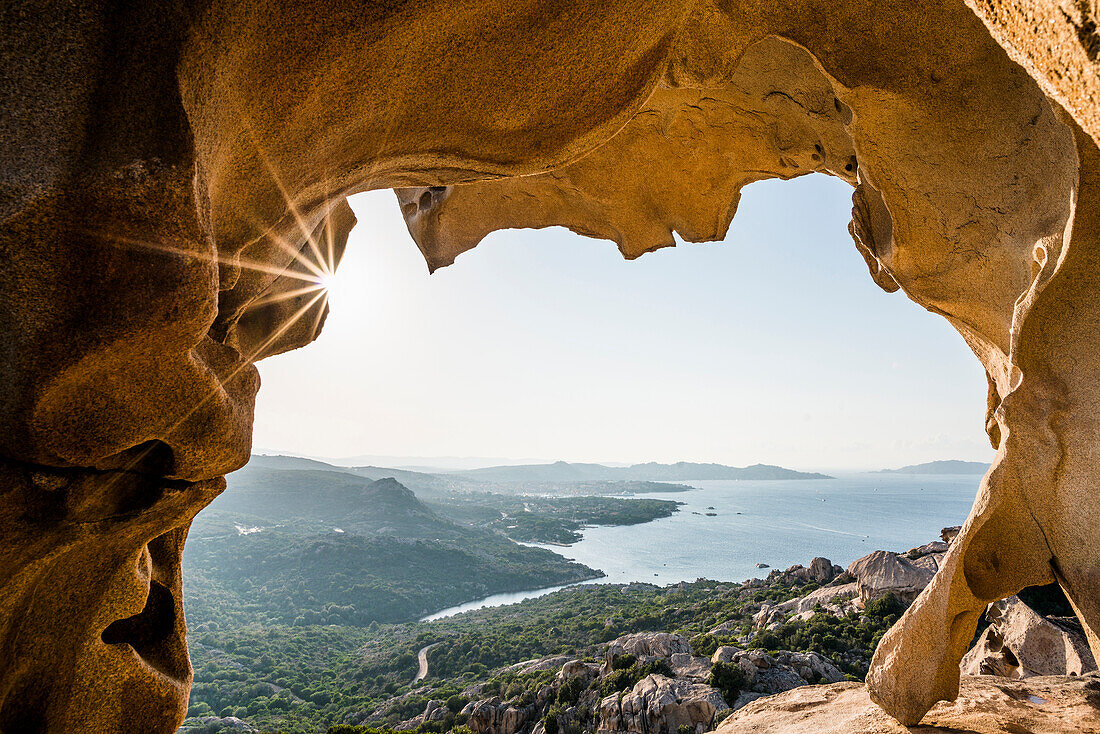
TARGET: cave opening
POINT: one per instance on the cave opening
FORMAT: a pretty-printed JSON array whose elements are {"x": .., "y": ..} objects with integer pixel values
[{"x": 539, "y": 344}]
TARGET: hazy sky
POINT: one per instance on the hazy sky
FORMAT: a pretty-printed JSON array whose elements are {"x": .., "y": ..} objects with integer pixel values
[{"x": 773, "y": 346}]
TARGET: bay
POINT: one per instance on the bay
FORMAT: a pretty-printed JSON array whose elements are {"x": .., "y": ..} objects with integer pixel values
[{"x": 779, "y": 523}]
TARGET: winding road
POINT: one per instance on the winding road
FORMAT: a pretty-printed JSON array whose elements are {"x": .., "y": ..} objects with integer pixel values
[{"x": 422, "y": 656}]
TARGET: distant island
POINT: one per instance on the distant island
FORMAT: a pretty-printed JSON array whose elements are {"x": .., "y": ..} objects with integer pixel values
[
  {"x": 940, "y": 467},
  {"x": 651, "y": 471}
]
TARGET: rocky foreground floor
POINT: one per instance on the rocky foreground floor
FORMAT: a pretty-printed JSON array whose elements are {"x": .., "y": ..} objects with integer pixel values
[{"x": 986, "y": 705}]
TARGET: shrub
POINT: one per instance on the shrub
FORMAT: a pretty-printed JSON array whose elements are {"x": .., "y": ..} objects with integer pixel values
[
  {"x": 456, "y": 703},
  {"x": 767, "y": 640},
  {"x": 729, "y": 679},
  {"x": 550, "y": 721},
  {"x": 704, "y": 644},
  {"x": 570, "y": 690},
  {"x": 884, "y": 606},
  {"x": 623, "y": 662},
  {"x": 621, "y": 680}
]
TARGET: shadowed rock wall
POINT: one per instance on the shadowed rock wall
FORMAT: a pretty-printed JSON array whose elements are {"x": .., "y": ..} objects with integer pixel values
[{"x": 172, "y": 186}]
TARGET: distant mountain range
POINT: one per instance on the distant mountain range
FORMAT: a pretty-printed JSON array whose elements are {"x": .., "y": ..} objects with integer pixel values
[
  {"x": 940, "y": 467},
  {"x": 561, "y": 471}
]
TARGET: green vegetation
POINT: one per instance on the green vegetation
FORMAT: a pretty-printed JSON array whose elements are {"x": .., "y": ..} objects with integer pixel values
[
  {"x": 728, "y": 678},
  {"x": 303, "y": 584},
  {"x": 559, "y": 519},
  {"x": 286, "y": 576},
  {"x": 306, "y": 678},
  {"x": 296, "y": 542},
  {"x": 624, "y": 676},
  {"x": 849, "y": 640}
]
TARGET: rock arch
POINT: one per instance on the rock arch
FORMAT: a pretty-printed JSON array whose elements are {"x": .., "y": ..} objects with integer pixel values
[{"x": 173, "y": 188}]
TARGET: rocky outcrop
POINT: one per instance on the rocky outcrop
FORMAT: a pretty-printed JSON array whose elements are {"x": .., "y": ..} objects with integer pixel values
[
  {"x": 660, "y": 705},
  {"x": 1020, "y": 643},
  {"x": 554, "y": 662},
  {"x": 578, "y": 668},
  {"x": 724, "y": 654},
  {"x": 646, "y": 647},
  {"x": 883, "y": 572},
  {"x": 495, "y": 716},
  {"x": 686, "y": 665},
  {"x": 820, "y": 570},
  {"x": 985, "y": 706},
  {"x": 173, "y": 196},
  {"x": 837, "y": 600},
  {"x": 767, "y": 675}
]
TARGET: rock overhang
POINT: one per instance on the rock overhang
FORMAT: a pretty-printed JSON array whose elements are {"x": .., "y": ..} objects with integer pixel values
[{"x": 153, "y": 257}]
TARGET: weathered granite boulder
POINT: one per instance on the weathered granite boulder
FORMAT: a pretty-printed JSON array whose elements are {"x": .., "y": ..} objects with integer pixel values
[
  {"x": 724, "y": 654},
  {"x": 494, "y": 716},
  {"x": 686, "y": 665},
  {"x": 936, "y": 546},
  {"x": 985, "y": 706},
  {"x": 660, "y": 705},
  {"x": 575, "y": 668},
  {"x": 646, "y": 647},
  {"x": 822, "y": 570},
  {"x": 553, "y": 662},
  {"x": 1020, "y": 643},
  {"x": 949, "y": 534},
  {"x": 838, "y": 599},
  {"x": 766, "y": 675},
  {"x": 436, "y": 710},
  {"x": 883, "y": 572}
]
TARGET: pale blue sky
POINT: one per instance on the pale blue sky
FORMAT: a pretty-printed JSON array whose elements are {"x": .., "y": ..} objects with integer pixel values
[{"x": 773, "y": 346}]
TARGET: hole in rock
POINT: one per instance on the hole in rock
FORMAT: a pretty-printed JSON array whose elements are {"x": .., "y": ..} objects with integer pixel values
[
  {"x": 773, "y": 346},
  {"x": 149, "y": 631}
]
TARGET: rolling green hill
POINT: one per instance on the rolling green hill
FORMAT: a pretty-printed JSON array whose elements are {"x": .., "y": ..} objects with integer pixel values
[{"x": 312, "y": 546}]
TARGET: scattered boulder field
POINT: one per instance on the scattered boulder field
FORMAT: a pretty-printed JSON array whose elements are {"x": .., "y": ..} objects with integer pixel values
[{"x": 1029, "y": 672}]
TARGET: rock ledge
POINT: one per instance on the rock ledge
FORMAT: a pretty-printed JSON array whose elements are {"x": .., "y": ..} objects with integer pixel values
[{"x": 986, "y": 705}]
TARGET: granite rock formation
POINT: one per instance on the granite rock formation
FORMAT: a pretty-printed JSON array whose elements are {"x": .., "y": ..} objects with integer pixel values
[
  {"x": 660, "y": 705},
  {"x": 173, "y": 191},
  {"x": 645, "y": 647},
  {"x": 1021, "y": 643},
  {"x": 985, "y": 705},
  {"x": 883, "y": 572}
]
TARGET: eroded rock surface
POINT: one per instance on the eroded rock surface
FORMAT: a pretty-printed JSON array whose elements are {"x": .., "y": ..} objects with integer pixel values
[
  {"x": 986, "y": 705},
  {"x": 1020, "y": 643},
  {"x": 646, "y": 647},
  {"x": 660, "y": 705},
  {"x": 883, "y": 572},
  {"x": 172, "y": 196}
]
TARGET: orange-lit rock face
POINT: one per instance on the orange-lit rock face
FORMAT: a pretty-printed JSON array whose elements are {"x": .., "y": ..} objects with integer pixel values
[
  {"x": 173, "y": 190},
  {"x": 973, "y": 197}
]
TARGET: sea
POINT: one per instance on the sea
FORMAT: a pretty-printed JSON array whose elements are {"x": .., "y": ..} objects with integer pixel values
[{"x": 725, "y": 528}]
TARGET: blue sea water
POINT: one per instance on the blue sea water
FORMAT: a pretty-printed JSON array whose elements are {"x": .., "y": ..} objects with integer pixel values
[{"x": 779, "y": 523}]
